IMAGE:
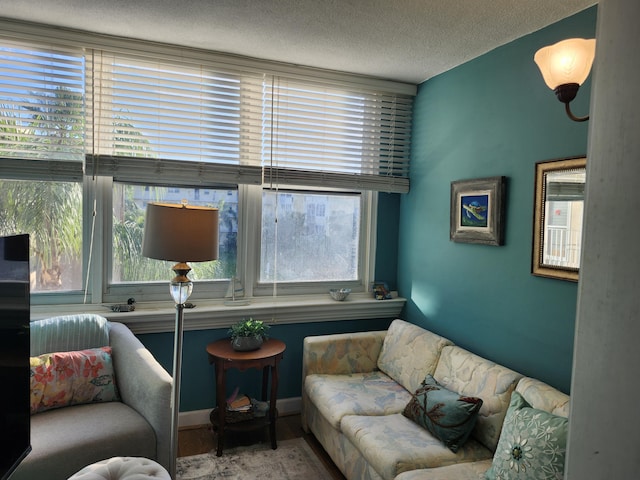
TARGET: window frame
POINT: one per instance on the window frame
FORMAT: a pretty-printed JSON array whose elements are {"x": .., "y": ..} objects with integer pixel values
[
  {"x": 151, "y": 291},
  {"x": 366, "y": 249},
  {"x": 248, "y": 264},
  {"x": 97, "y": 254},
  {"x": 97, "y": 191},
  {"x": 63, "y": 297}
]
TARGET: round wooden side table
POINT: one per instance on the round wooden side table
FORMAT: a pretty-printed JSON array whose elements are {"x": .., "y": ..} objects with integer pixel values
[{"x": 267, "y": 357}]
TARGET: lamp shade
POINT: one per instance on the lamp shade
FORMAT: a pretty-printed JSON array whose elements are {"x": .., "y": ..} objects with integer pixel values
[
  {"x": 565, "y": 62},
  {"x": 180, "y": 233}
]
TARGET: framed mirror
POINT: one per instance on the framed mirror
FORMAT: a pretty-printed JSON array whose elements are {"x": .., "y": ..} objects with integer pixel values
[{"x": 558, "y": 215}]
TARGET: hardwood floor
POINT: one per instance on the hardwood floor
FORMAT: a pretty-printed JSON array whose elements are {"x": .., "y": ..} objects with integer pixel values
[{"x": 202, "y": 439}]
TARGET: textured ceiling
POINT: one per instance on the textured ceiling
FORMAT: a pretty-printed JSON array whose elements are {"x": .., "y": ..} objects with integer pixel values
[{"x": 404, "y": 40}]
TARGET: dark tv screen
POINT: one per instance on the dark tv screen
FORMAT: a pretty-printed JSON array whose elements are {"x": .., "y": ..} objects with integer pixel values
[{"x": 15, "y": 419}]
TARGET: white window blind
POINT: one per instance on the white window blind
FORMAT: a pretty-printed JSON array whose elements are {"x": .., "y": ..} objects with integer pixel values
[
  {"x": 151, "y": 116},
  {"x": 320, "y": 135},
  {"x": 162, "y": 114},
  {"x": 42, "y": 112}
]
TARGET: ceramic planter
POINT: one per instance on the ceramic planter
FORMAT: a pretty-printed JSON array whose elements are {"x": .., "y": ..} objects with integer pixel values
[{"x": 246, "y": 344}]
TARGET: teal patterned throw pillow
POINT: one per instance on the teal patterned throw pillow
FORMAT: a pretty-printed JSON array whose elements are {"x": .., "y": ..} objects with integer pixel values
[
  {"x": 447, "y": 415},
  {"x": 532, "y": 444}
]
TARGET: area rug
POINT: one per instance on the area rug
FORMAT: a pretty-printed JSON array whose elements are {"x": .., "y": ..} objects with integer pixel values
[{"x": 292, "y": 460}]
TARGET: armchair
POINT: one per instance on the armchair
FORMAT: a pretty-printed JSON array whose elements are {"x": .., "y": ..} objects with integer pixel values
[{"x": 66, "y": 439}]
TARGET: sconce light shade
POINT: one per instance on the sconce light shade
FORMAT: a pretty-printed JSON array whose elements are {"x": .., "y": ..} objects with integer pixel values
[
  {"x": 565, "y": 66},
  {"x": 568, "y": 61},
  {"x": 180, "y": 233}
]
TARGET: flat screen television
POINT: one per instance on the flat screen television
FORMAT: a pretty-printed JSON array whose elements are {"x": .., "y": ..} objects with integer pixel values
[{"x": 15, "y": 419}]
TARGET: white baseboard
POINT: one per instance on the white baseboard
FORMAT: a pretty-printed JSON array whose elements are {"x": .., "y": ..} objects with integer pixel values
[{"x": 286, "y": 406}]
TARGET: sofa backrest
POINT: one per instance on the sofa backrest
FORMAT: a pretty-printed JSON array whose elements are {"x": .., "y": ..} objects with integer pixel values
[
  {"x": 68, "y": 333},
  {"x": 468, "y": 374},
  {"x": 543, "y": 397},
  {"x": 409, "y": 353}
]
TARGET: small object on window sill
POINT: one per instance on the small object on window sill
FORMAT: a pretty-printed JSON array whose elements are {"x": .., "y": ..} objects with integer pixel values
[
  {"x": 189, "y": 305},
  {"x": 339, "y": 294},
  {"x": 122, "y": 307},
  {"x": 381, "y": 291}
]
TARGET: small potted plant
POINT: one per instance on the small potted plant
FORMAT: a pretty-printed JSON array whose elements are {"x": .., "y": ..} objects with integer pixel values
[{"x": 248, "y": 334}]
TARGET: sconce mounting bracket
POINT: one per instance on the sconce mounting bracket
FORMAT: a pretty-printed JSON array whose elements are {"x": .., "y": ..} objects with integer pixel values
[{"x": 565, "y": 93}]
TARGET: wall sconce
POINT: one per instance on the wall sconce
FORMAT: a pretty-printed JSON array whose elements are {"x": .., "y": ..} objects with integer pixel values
[{"x": 565, "y": 66}]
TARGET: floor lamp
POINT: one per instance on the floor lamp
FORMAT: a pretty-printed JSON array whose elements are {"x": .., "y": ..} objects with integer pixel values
[{"x": 179, "y": 233}]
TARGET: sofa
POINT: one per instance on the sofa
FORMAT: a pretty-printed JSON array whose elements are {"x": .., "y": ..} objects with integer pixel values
[
  {"x": 357, "y": 392},
  {"x": 126, "y": 413}
]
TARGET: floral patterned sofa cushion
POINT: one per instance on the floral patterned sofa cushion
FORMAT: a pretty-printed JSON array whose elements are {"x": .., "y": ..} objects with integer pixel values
[
  {"x": 393, "y": 444},
  {"x": 410, "y": 353},
  {"x": 468, "y": 374},
  {"x": 61, "y": 379},
  {"x": 371, "y": 393},
  {"x": 544, "y": 397},
  {"x": 459, "y": 471}
]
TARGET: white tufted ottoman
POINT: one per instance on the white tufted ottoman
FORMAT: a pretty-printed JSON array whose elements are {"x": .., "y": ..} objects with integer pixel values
[{"x": 123, "y": 468}]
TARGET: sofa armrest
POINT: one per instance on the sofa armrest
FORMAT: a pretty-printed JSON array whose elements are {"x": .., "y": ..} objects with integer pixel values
[
  {"x": 342, "y": 353},
  {"x": 144, "y": 385},
  {"x": 338, "y": 354}
]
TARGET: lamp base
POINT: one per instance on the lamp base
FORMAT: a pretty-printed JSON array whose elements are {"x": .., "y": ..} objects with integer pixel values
[
  {"x": 181, "y": 286},
  {"x": 181, "y": 269},
  {"x": 175, "y": 388}
]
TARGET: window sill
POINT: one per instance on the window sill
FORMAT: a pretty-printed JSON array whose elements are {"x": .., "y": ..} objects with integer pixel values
[{"x": 156, "y": 317}]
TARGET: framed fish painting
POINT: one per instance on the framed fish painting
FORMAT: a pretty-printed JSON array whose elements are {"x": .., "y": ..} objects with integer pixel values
[{"x": 477, "y": 210}]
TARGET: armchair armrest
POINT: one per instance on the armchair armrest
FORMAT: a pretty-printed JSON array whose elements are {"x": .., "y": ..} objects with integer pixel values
[
  {"x": 342, "y": 353},
  {"x": 144, "y": 385}
]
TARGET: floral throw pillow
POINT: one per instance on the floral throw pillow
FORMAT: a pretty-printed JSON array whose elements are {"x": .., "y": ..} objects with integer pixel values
[
  {"x": 61, "y": 379},
  {"x": 447, "y": 415},
  {"x": 532, "y": 444}
]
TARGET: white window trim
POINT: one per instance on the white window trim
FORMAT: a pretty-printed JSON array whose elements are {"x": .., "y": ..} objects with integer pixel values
[
  {"x": 108, "y": 292},
  {"x": 366, "y": 248},
  {"x": 98, "y": 197},
  {"x": 158, "y": 317}
]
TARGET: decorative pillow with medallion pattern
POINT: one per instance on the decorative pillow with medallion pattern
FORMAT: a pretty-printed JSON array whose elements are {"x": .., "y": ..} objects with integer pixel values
[
  {"x": 61, "y": 379},
  {"x": 532, "y": 444}
]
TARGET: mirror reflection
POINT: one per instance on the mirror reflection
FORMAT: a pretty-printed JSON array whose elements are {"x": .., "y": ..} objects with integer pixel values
[{"x": 559, "y": 212}]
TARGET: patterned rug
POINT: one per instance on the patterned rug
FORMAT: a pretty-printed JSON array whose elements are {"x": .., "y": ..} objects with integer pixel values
[{"x": 292, "y": 460}]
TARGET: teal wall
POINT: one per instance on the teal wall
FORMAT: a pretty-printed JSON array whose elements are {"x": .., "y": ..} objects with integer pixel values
[
  {"x": 491, "y": 116},
  {"x": 387, "y": 240},
  {"x": 198, "y": 383}
]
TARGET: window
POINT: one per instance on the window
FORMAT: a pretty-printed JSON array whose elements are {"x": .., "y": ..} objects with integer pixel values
[
  {"x": 291, "y": 158},
  {"x": 51, "y": 212},
  {"x": 129, "y": 206},
  {"x": 301, "y": 244},
  {"x": 41, "y": 151},
  {"x": 325, "y": 135}
]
